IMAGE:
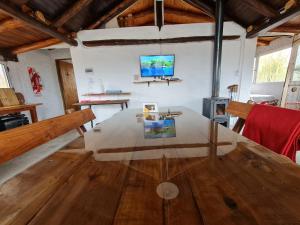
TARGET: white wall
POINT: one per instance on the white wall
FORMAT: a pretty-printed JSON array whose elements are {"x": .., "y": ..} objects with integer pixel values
[
  {"x": 44, "y": 63},
  {"x": 271, "y": 88},
  {"x": 115, "y": 66}
]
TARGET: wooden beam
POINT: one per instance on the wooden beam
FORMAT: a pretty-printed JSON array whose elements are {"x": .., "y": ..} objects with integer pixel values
[
  {"x": 287, "y": 29},
  {"x": 15, "y": 12},
  {"x": 122, "y": 42},
  {"x": 189, "y": 15},
  {"x": 33, "y": 46},
  {"x": 123, "y": 5},
  {"x": 261, "y": 8},
  {"x": 8, "y": 56},
  {"x": 17, "y": 141},
  {"x": 273, "y": 23},
  {"x": 144, "y": 13},
  {"x": 137, "y": 19},
  {"x": 71, "y": 12},
  {"x": 263, "y": 42},
  {"x": 208, "y": 9},
  {"x": 10, "y": 24},
  {"x": 144, "y": 17}
]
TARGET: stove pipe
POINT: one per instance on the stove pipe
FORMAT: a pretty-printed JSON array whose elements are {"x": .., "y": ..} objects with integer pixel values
[{"x": 219, "y": 17}]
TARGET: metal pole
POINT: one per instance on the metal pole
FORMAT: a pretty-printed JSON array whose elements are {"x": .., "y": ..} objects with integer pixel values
[{"x": 218, "y": 48}]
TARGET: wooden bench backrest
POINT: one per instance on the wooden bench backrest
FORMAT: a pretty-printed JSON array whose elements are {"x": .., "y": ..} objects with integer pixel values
[
  {"x": 20, "y": 140},
  {"x": 239, "y": 109}
]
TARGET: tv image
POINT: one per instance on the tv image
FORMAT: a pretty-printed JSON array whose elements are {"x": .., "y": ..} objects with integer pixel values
[
  {"x": 159, "y": 129},
  {"x": 157, "y": 65}
]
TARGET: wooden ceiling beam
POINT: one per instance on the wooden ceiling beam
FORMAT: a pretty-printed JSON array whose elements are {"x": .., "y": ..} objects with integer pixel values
[
  {"x": 147, "y": 12},
  {"x": 208, "y": 9},
  {"x": 33, "y": 46},
  {"x": 192, "y": 16},
  {"x": 71, "y": 12},
  {"x": 121, "y": 42},
  {"x": 121, "y": 7},
  {"x": 142, "y": 18},
  {"x": 263, "y": 42},
  {"x": 287, "y": 29},
  {"x": 273, "y": 23},
  {"x": 138, "y": 19},
  {"x": 8, "y": 56},
  {"x": 15, "y": 12},
  {"x": 10, "y": 24},
  {"x": 261, "y": 8}
]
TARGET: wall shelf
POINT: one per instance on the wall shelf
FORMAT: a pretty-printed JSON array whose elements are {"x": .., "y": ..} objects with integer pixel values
[
  {"x": 106, "y": 94},
  {"x": 157, "y": 81}
]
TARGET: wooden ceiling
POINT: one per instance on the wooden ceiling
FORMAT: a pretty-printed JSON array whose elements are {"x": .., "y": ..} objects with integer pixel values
[
  {"x": 175, "y": 12},
  {"x": 30, "y": 24}
]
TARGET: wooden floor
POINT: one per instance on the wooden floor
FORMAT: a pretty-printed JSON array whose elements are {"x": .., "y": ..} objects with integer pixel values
[{"x": 235, "y": 182}]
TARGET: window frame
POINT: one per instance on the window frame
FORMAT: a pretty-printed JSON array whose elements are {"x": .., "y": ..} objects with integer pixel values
[{"x": 292, "y": 64}]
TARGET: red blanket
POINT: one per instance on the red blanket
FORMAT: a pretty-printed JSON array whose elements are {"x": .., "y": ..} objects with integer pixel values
[{"x": 275, "y": 128}]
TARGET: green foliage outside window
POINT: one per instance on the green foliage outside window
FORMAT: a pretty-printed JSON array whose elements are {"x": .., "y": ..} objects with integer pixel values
[
  {"x": 296, "y": 74},
  {"x": 273, "y": 67}
]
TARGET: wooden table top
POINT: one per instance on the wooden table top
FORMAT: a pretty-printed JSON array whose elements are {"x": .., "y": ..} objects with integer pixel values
[
  {"x": 199, "y": 174},
  {"x": 24, "y": 106},
  {"x": 14, "y": 108},
  {"x": 102, "y": 102}
]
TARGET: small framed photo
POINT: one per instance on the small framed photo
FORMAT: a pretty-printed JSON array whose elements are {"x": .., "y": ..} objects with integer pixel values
[{"x": 150, "y": 108}]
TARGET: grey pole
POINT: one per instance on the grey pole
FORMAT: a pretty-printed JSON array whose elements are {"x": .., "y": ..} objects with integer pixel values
[{"x": 219, "y": 17}]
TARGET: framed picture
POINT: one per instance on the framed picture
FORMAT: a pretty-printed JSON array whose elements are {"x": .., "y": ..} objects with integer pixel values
[{"x": 150, "y": 108}]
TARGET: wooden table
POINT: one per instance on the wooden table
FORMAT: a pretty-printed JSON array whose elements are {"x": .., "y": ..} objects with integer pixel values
[
  {"x": 207, "y": 174},
  {"x": 120, "y": 102},
  {"x": 21, "y": 108}
]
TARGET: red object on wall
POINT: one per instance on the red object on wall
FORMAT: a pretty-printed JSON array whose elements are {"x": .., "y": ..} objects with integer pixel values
[
  {"x": 36, "y": 81},
  {"x": 275, "y": 128}
]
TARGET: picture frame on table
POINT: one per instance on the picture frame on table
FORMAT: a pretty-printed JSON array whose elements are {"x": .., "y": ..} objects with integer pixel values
[{"x": 150, "y": 108}]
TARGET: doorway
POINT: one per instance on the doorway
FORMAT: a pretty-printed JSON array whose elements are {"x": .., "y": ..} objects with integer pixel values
[{"x": 67, "y": 82}]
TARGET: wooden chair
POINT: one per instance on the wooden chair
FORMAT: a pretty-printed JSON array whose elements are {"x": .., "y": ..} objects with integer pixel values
[
  {"x": 17, "y": 141},
  {"x": 240, "y": 110}
]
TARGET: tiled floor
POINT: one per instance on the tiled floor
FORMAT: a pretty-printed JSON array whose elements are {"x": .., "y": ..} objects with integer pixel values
[{"x": 17, "y": 165}]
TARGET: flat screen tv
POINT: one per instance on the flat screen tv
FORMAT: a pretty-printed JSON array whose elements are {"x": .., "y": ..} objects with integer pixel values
[{"x": 157, "y": 65}]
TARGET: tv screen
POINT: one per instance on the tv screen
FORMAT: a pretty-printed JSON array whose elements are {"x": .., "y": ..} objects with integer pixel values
[{"x": 157, "y": 65}]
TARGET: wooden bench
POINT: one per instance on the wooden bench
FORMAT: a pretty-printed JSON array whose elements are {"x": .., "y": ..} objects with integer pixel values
[
  {"x": 240, "y": 110},
  {"x": 20, "y": 140}
]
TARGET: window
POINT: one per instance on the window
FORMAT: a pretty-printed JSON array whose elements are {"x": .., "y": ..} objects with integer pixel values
[
  {"x": 273, "y": 67},
  {"x": 296, "y": 74},
  {"x": 254, "y": 70},
  {"x": 3, "y": 77}
]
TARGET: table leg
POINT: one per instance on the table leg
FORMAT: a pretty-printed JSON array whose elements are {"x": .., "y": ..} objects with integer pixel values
[
  {"x": 33, "y": 114},
  {"x": 126, "y": 105},
  {"x": 92, "y": 122},
  {"x": 122, "y": 106}
]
